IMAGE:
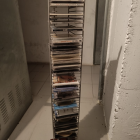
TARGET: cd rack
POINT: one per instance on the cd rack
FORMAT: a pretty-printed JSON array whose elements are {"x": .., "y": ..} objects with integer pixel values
[{"x": 66, "y": 32}]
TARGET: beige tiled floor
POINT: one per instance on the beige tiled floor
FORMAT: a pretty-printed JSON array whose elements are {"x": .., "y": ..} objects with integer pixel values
[{"x": 36, "y": 124}]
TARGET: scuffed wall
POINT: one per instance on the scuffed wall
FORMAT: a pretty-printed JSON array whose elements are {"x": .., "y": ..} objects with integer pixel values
[
  {"x": 15, "y": 91},
  {"x": 122, "y": 88},
  {"x": 34, "y": 18}
]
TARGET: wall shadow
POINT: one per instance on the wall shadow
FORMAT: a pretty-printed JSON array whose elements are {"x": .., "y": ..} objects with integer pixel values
[
  {"x": 34, "y": 21},
  {"x": 40, "y": 106},
  {"x": 110, "y": 83},
  {"x": 92, "y": 127}
]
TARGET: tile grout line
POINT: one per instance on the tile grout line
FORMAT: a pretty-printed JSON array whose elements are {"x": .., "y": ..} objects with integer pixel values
[
  {"x": 40, "y": 88},
  {"x": 47, "y": 77},
  {"x": 39, "y": 115},
  {"x": 35, "y": 126},
  {"x": 42, "y": 85},
  {"x": 40, "y": 112}
]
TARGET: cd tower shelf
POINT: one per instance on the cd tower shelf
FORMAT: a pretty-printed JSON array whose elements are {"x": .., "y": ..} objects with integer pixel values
[{"x": 66, "y": 33}]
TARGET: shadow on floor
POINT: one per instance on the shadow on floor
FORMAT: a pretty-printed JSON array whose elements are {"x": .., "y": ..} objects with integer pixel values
[
  {"x": 92, "y": 127},
  {"x": 38, "y": 112}
]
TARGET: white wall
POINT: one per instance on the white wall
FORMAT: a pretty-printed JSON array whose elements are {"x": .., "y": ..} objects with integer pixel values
[
  {"x": 122, "y": 84},
  {"x": 34, "y": 18}
]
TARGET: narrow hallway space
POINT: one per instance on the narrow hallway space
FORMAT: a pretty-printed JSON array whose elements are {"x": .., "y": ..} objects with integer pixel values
[{"x": 36, "y": 124}]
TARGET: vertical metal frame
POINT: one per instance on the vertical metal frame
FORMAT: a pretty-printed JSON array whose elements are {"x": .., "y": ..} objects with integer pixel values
[
  {"x": 82, "y": 59},
  {"x": 51, "y": 64},
  {"x": 95, "y": 32},
  {"x": 50, "y": 61},
  {"x": 104, "y": 50},
  {"x": 97, "y": 27}
]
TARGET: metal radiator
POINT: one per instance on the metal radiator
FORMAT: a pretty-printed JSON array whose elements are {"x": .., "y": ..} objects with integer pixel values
[{"x": 15, "y": 92}]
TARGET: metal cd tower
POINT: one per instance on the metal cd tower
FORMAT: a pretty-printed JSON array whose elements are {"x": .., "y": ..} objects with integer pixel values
[{"x": 66, "y": 30}]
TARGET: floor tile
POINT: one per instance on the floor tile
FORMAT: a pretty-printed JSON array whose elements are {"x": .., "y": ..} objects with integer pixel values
[
  {"x": 92, "y": 124},
  {"x": 90, "y": 133},
  {"x": 46, "y": 115},
  {"x": 89, "y": 112},
  {"x": 86, "y": 69},
  {"x": 86, "y": 91},
  {"x": 46, "y": 99},
  {"x": 21, "y": 133},
  {"x": 42, "y": 132},
  {"x": 31, "y": 67},
  {"x": 48, "y": 79},
  {"x": 95, "y": 89},
  {"x": 42, "y": 68},
  {"x": 86, "y": 78},
  {"x": 86, "y": 100},
  {"x": 95, "y": 79},
  {"x": 39, "y": 76},
  {"x": 44, "y": 94},
  {"x": 96, "y": 69},
  {"x": 86, "y": 108},
  {"x": 28, "y": 122},
  {"x": 46, "y": 89},
  {"x": 32, "y": 114},
  {"x": 36, "y": 87},
  {"x": 32, "y": 76},
  {"x": 36, "y": 124}
]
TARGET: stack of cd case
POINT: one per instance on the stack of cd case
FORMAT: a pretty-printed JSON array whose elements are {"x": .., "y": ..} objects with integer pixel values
[{"x": 66, "y": 30}]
